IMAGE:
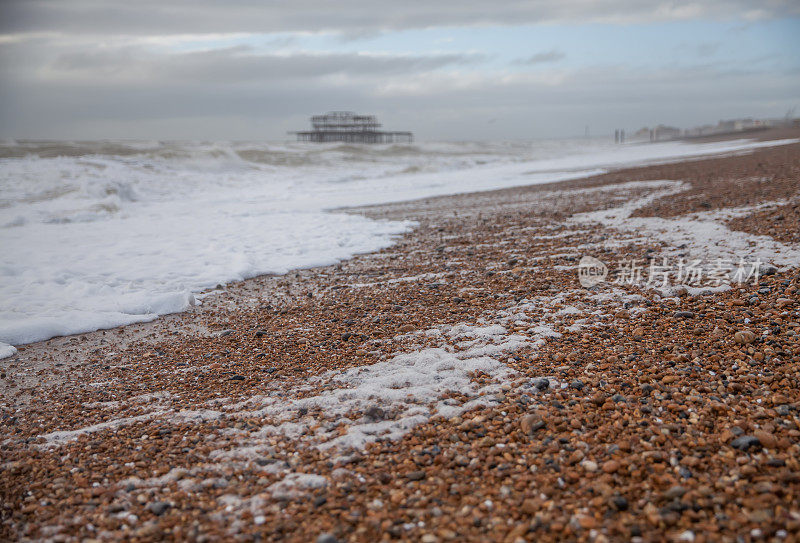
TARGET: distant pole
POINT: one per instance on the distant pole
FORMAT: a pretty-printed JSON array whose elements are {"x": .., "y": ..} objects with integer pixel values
[
  {"x": 616, "y": 135},
  {"x": 622, "y": 136}
]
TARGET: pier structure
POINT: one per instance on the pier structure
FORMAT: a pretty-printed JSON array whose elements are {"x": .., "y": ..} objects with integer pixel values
[{"x": 346, "y": 126}]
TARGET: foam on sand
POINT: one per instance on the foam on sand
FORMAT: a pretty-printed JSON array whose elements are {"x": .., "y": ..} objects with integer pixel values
[{"x": 703, "y": 236}]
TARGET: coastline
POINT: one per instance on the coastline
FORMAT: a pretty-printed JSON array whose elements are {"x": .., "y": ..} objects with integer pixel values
[{"x": 481, "y": 260}]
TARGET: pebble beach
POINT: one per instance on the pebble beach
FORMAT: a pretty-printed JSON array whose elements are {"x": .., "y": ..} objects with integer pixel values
[{"x": 461, "y": 384}]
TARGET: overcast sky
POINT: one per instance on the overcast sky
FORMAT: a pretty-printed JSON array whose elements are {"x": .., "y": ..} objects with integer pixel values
[{"x": 446, "y": 69}]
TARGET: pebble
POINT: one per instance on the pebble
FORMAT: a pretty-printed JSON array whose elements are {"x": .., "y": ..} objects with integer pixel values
[
  {"x": 744, "y": 337},
  {"x": 375, "y": 413},
  {"x": 766, "y": 439},
  {"x": 676, "y": 491},
  {"x": 683, "y": 314},
  {"x": 768, "y": 270},
  {"x": 610, "y": 466},
  {"x": 744, "y": 442},
  {"x": 416, "y": 475},
  {"x": 158, "y": 508},
  {"x": 619, "y": 503},
  {"x": 327, "y": 538},
  {"x": 531, "y": 423},
  {"x": 461, "y": 460},
  {"x": 589, "y": 465}
]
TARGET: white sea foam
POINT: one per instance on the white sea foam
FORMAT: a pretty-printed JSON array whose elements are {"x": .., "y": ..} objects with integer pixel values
[
  {"x": 703, "y": 236},
  {"x": 96, "y": 235}
]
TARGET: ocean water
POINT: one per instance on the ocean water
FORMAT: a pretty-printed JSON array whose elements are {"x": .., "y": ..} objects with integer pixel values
[{"x": 99, "y": 234}]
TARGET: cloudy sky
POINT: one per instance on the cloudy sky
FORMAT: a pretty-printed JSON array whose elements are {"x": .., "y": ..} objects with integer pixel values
[{"x": 446, "y": 69}]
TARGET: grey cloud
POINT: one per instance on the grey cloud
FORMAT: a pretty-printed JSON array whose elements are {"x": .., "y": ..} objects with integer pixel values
[
  {"x": 239, "y": 64},
  {"x": 152, "y": 17},
  {"x": 602, "y": 98},
  {"x": 553, "y": 55},
  {"x": 64, "y": 86}
]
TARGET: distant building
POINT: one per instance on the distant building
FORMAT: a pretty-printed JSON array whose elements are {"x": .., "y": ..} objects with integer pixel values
[
  {"x": 722, "y": 128},
  {"x": 662, "y": 132},
  {"x": 348, "y": 127},
  {"x": 699, "y": 131},
  {"x": 737, "y": 125}
]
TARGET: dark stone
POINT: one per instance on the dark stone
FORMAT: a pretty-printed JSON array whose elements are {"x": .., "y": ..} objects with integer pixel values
[
  {"x": 375, "y": 413},
  {"x": 236, "y": 378},
  {"x": 416, "y": 475},
  {"x": 327, "y": 538},
  {"x": 542, "y": 384},
  {"x": 744, "y": 443},
  {"x": 619, "y": 503},
  {"x": 158, "y": 508},
  {"x": 683, "y": 314},
  {"x": 577, "y": 384},
  {"x": 675, "y": 492}
]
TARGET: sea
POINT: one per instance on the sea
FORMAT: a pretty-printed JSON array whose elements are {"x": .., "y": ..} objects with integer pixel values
[{"x": 98, "y": 234}]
